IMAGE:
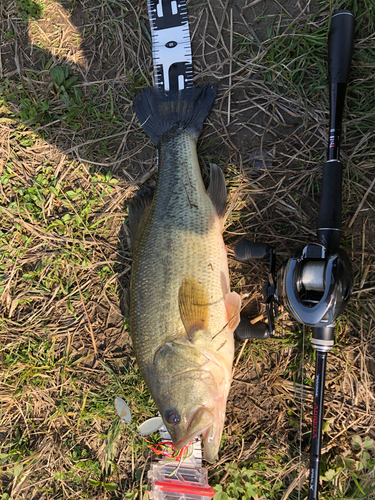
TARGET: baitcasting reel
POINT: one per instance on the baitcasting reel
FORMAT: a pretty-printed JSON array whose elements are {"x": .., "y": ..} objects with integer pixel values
[{"x": 314, "y": 285}]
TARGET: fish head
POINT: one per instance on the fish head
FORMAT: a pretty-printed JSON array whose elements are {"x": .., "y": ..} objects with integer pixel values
[{"x": 191, "y": 392}]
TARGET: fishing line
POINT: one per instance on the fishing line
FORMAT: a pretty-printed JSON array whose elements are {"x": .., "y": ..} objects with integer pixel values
[{"x": 167, "y": 450}]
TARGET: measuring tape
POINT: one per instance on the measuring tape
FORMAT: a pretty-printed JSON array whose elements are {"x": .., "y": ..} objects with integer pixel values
[{"x": 171, "y": 47}]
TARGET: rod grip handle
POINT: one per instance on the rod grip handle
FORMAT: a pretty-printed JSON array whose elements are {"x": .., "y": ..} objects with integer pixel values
[
  {"x": 330, "y": 208},
  {"x": 340, "y": 46}
]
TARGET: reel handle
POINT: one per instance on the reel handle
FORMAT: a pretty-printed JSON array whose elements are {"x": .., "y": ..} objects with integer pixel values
[{"x": 244, "y": 251}]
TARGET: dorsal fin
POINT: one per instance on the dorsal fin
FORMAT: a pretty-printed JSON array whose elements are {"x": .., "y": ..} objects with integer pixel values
[
  {"x": 193, "y": 301},
  {"x": 137, "y": 207},
  {"x": 217, "y": 189}
]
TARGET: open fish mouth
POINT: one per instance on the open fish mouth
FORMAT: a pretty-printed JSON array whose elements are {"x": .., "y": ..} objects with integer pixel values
[
  {"x": 183, "y": 442},
  {"x": 200, "y": 423}
]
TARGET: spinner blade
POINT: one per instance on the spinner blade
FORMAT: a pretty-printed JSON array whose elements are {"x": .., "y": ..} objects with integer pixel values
[{"x": 171, "y": 47}]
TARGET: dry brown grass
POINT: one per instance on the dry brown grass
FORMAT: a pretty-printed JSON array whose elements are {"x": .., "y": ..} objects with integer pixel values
[{"x": 65, "y": 352}]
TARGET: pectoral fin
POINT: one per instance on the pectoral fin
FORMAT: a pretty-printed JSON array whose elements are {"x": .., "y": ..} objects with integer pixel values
[
  {"x": 233, "y": 308},
  {"x": 193, "y": 301},
  {"x": 217, "y": 189}
]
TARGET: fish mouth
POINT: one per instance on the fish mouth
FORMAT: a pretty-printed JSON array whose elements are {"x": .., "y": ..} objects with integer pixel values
[{"x": 200, "y": 423}]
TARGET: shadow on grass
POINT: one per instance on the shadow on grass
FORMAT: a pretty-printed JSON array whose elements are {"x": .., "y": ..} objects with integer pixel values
[{"x": 70, "y": 174}]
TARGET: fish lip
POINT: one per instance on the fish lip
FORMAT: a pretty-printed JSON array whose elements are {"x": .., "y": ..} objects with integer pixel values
[
  {"x": 183, "y": 442},
  {"x": 188, "y": 439}
]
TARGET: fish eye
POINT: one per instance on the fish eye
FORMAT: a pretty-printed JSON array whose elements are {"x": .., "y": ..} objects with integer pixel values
[{"x": 172, "y": 417}]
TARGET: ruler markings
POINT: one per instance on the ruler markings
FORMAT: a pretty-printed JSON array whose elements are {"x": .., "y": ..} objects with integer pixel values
[{"x": 171, "y": 47}]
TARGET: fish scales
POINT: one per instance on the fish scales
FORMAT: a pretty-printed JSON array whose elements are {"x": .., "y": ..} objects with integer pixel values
[
  {"x": 181, "y": 237},
  {"x": 182, "y": 313}
]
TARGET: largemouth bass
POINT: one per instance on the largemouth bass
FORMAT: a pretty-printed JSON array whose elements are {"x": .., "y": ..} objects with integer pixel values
[{"x": 182, "y": 312}]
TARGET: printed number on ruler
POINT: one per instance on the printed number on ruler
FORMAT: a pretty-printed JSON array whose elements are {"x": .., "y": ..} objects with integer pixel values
[{"x": 171, "y": 48}]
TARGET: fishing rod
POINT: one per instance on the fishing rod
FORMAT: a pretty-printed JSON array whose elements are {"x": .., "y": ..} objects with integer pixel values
[{"x": 316, "y": 283}]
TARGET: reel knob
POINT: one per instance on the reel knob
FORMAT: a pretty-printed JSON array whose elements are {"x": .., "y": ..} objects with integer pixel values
[
  {"x": 246, "y": 250},
  {"x": 247, "y": 330}
]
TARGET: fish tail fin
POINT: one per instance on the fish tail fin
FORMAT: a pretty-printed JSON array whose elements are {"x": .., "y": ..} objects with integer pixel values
[{"x": 160, "y": 112}]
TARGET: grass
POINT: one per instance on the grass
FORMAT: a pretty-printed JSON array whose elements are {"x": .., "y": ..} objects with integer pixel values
[
  {"x": 29, "y": 9},
  {"x": 73, "y": 154},
  {"x": 68, "y": 418}
]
